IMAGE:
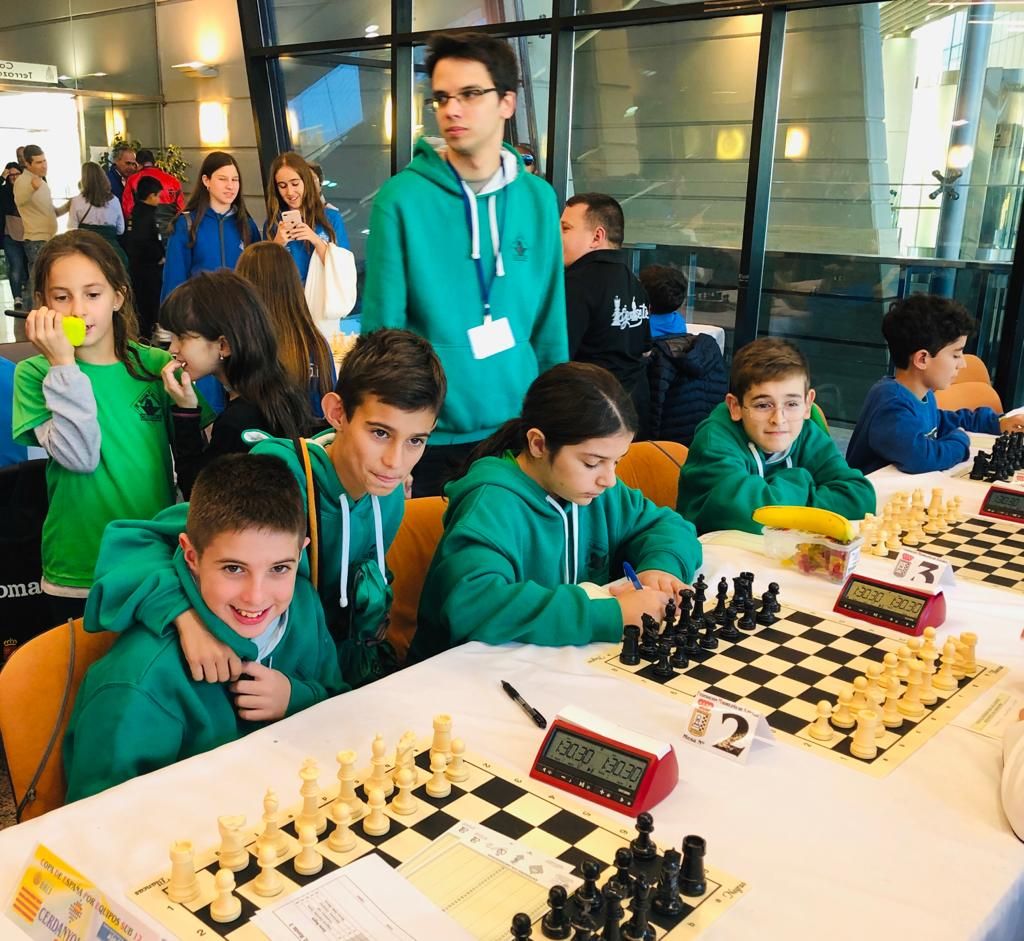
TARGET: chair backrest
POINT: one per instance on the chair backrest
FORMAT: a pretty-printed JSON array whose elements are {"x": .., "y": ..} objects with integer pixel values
[
  {"x": 818, "y": 417},
  {"x": 974, "y": 370},
  {"x": 652, "y": 467},
  {"x": 409, "y": 558},
  {"x": 37, "y": 681},
  {"x": 969, "y": 395}
]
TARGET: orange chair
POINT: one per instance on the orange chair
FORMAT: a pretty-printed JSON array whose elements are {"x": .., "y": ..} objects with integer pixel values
[
  {"x": 974, "y": 370},
  {"x": 37, "y": 690},
  {"x": 652, "y": 467},
  {"x": 409, "y": 558},
  {"x": 969, "y": 395}
]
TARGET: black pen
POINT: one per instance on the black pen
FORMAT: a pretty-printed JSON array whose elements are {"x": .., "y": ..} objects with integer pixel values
[{"x": 524, "y": 705}]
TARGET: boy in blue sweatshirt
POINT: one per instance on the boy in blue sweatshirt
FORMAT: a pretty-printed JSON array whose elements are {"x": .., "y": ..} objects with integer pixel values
[
  {"x": 900, "y": 422},
  {"x": 138, "y": 708}
]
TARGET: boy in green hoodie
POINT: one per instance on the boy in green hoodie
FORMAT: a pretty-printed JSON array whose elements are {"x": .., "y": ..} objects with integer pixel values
[
  {"x": 389, "y": 390},
  {"x": 138, "y": 709},
  {"x": 465, "y": 250},
  {"x": 538, "y": 521},
  {"x": 757, "y": 448}
]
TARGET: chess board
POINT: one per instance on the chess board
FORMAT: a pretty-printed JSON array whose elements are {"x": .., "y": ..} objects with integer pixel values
[
  {"x": 782, "y": 671},
  {"x": 536, "y": 817},
  {"x": 983, "y": 550}
]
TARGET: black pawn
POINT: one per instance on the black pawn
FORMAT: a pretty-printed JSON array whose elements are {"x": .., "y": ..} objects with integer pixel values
[
  {"x": 584, "y": 927},
  {"x": 679, "y": 659},
  {"x": 613, "y": 911},
  {"x": 623, "y": 878},
  {"x": 708, "y": 640},
  {"x": 522, "y": 928},
  {"x": 723, "y": 593},
  {"x": 586, "y": 896},
  {"x": 728, "y": 629},
  {"x": 630, "y": 655},
  {"x": 638, "y": 927},
  {"x": 643, "y": 847},
  {"x": 691, "y": 879},
  {"x": 747, "y": 622},
  {"x": 692, "y": 633},
  {"x": 555, "y": 923},
  {"x": 663, "y": 668},
  {"x": 767, "y": 614},
  {"x": 666, "y": 896}
]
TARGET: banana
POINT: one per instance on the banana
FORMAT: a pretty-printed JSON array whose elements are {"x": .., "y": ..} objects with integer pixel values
[{"x": 807, "y": 519}]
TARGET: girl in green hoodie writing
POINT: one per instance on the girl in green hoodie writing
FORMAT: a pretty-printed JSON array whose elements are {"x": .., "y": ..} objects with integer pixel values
[{"x": 537, "y": 512}]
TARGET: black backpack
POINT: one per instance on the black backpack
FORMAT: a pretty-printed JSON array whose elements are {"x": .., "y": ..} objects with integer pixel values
[{"x": 687, "y": 379}]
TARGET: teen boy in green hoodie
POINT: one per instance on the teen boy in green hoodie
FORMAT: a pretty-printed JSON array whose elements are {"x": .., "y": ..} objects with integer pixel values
[
  {"x": 138, "y": 709},
  {"x": 757, "y": 449},
  {"x": 465, "y": 250},
  {"x": 390, "y": 387}
]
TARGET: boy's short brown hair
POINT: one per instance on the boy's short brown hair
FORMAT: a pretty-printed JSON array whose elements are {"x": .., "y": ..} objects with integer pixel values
[
  {"x": 766, "y": 360},
  {"x": 244, "y": 491}
]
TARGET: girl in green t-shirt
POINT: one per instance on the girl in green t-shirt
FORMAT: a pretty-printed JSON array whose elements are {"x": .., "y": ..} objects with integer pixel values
[{"x": 98, "y": 408}]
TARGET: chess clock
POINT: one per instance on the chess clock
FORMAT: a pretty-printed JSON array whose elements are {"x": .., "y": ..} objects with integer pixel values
[
  {"x": 895, "y": 606},
  {"x": 605, "y": 763},
  {"x": 1003, "y": 504}
]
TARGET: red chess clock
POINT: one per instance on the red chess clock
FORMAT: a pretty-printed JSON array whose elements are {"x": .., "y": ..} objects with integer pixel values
[
  {"x": 605, "y": 763},
  {"x": 895, "y": 606}
]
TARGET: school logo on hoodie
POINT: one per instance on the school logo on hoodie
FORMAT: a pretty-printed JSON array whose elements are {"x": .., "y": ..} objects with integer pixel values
[
  {"x": 149, "y": 407},
  {"x": 519, "y": 248},
  {"x": 626, "y": 317}
]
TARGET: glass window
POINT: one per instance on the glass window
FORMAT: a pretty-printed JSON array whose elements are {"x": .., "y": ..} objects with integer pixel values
[
  {"x": 315, "y": 20},
  {"x": 661, "y": 119},
  {"x": 339, "y": 115},
  {"x": 449, "y": 14},
  {"x": 613, "y": 6}
]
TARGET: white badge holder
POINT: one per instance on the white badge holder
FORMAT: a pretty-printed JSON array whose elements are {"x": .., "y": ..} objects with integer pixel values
[{"x": 491, "y": 337}]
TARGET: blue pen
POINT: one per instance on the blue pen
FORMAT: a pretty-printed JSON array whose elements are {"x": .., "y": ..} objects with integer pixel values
[{"x": 631, "y": 575}]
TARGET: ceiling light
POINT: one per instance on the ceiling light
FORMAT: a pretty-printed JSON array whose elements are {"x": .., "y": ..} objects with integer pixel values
[{"x": 196, "y": 69}]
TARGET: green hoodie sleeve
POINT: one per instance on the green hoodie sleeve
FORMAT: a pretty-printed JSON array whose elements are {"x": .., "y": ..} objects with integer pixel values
[
  {"x": 550, "y": 338},
  {"x": 385, "y": 296},
  {"x": 654, "y": 537},
  {"x": 118, "y": 734},
  {"x": 317, "y": 674},
  {"x": 135, "y": 582},
  {"x": 835, "y": 485}
]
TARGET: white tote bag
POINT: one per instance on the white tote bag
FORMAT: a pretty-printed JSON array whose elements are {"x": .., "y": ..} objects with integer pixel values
[{"x": 331, "y": 287}]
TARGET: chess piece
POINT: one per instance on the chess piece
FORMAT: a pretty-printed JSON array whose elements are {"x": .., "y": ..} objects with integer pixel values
[
  {"x": 970, "y": 641},
  {"x": 642, "y": 846},
  {"x": 669, "y": 620},
  {"x": 723, "y": 593},
  {"x": 959, "y": 661},
  {"x": 769, "y": 607},
  {"x": 843, "y": 717},
  {"x": 555, "y": 923},
  {"x": 944, "y": 679},
  {"x": 623, "y": 878},
  {"x": 910, "y": 705},
  {"x": 874, "y": 676},
  {"x": 342, "y": 839},
  {"x": 679, "y": 659},
  {"x": 892, "y": 718},
  {"x": 613, "y": 912},
  {"x": 685, "y": 610},
  {"x": 881, "y": 548},
  {"x": 863, "y": 744},
  {"x": 226, "y": 906},
  {"x": 378, "y": 763},
  {"x": 405, "y": 803},
  {"x": 860, "y": 698},
  {"x": 708, "y": 640},
  {"x": 376, "y": 823},
  {"x": 630, "y": 653},
  {"x": 583, "y": 927},
  {"x": 442, "y": 736},
  {"x": 232, "y": 853},
  {"x": 586, "y": 897},
  {"x": 272, "y": 832},
  {"x": 666, "y": 896},
  {"x": 347, "y": 783},
  {"x": 892, "y": 541},
  {"x": 309, "y": 862},
  {"x": 457, "y": 770},
  {"x": 927, "y": 692},
  {"x": 438, "y": 786},
  {"x": 648, "y": 638},
  {"x": 697, "y": 614},
  {"x": 662, "y": 668},
  {"x": 905, "y": 655},
  {"x": 747, "y": 621},
  {"x": 311, "y": 814},
  {"x": 269, "y": 882},
  {"x": 405, "y": 753},
  {"x": 728, "y": 629},
  {"x": 928, "y": 640},
  {"x": 522, "y": 928},
  {"x": 692, "y": 881},
  {"x": 691, "y": 646},
  {"x": 638, "y": 927},
  {"x": 890, "y": 672},
  {"x": 821, "y": 729},
  {"x": 183, "y": 886}
]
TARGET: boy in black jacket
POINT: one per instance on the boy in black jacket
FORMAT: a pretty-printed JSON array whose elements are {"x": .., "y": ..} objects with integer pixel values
[{"x": 146, "y": 253}]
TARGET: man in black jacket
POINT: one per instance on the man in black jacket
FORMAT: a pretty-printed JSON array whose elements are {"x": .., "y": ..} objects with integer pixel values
[{"x": 605, "y": 302}]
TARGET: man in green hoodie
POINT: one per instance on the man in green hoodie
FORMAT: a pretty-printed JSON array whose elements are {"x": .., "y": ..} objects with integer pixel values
[
  {"x": 757, "y": 449},
  {"x": 389, "y": 390},
  {"x": 465, "y": 250},
  {"x": 138, "y": 709}
]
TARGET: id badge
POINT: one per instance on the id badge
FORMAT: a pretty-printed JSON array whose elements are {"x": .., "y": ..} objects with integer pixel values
[{"x": 491, "y": 337}]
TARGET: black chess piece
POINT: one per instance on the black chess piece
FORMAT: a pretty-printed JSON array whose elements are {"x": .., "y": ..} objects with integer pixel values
[
  {"x": 738, "y": 585},
  {"x": 613, "y": 912},
  {"x": 555, "y": 923},
  {"x": 685, "y": 607},
  {"x": 669, "y": 627},
  {"x": 643, "y": 847},
  {"x": 698, "y": 606},
  {"x": 630, "y": 655},
  {"x": 649, "y": 638},
  {"x": 700, "y": 587},
  {"x": 638, "y": 927},
  {"x": 662, "y": 666},
  {"x": 723, "y": 594},
  {"x": 747, "y": 622},
  {"x": 728, "y": 629},
  {"x": 623, "y": 878},
  {"x": 666, "y": 895},
  {"x": 522, "y": 928},
  {"x": 586, "y": 897},
  {"x": 773, "y": 590},
  {"x": 690, "y": 644},
  {"x": 680, "y": 660},
  {"x": 708, "y": 639},
  {"x": 584, "y": 926},
  {"x": 766, "y": 615},
  {"x": 692, "y": 881}
]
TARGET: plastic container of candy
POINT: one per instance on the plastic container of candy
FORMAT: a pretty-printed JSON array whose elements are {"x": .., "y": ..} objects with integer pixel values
[{"x": 812, "y": 553}]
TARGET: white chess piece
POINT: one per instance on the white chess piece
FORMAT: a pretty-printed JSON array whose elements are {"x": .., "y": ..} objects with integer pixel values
[
  {"x": 226, "y": 906},
  {"x": 376, "y": 823},
  {"x": 944, "y": 679},
  {"x": 821, "y": 729},
  {"x": 378, "y": 765},
  {"x": 442, "y": 736},
  {"x": 970, "y": 641},
  {"x": 863, "y": 744},
  {"x": 184, "y": 886},
  {"x": 272, "y": 832},
  {"x": 309, "y": 861},
  {"x": 347, "y": 783},
  {"x": 457, "y": 770},
  {"x": 842, "y": 716},
  {"x": 341, "y": 840},
  {"x": 438, "y": 785},
  {"x": 927, "y": 692},
  {"x": 311, "y": 815},
  {"x": 891, "y": 716},
  {"x": 269, "y": 882},
  {"x": 860, "y": 691},
  {"x": 232, "y": 853},
  {"x": 404, "y": 803},
  {"x": 910, "y": 705}
]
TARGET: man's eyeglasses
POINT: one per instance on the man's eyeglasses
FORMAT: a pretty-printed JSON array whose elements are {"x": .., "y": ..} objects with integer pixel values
[
  {"x": 766, "y": 409},
  {"x": 468, "y": 96}
]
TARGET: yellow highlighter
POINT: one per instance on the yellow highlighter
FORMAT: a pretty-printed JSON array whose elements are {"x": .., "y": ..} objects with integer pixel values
[{"x": 74, "y": 330}]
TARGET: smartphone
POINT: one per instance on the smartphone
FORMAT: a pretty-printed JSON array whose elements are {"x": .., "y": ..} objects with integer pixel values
[{"x": 291, "y": 217}]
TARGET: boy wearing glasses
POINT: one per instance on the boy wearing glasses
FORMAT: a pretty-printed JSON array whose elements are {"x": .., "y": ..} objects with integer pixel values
[
  {"x": 465, "y": 250},
  {"x": 757, "y": 448}
]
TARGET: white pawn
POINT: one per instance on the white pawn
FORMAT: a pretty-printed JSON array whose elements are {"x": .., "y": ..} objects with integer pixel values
[
  {"x": 893, "y": 542},
  {"x": 905, "y": 656},
  {"x": 910, "y": 705},
  {"x": 347, "y": 783},
  {"x": 232, "y": 853},
  {"x": 820, "y": 729},
  {"x": 438, "y": 785},
  {"x": 184, "y": 886},
  {"x": 311, "y": 815},
  {"x": 960, "y": 660},
  {"x": 927, "y": 640},
  {"x": 860, "y": 697},
  {"x": 309, "y": 862},
  {"x": 341, "y": 840},
  {"x": 378, "y": 763},
  {"x": 927, "y": 692},
  {"x": 269, "y": 882},
  {"x": 843, "y": 717},
  {"x": 272, "y": 832},
  {"x": 915, "y": 643},
  {"x": 863, "y": 744},
  {"x": 226, "y": 906},
  {"x": 944, "y": 679},
  {"x": 891, "y": 716},
  {"x": 404, "y": 803},
  {"x": 970, "y": 641},
  {"x": 874, "y": 675},
  {"x": 880, "y": 546},
  {"x": 890, "y": 666},
  {"x": 457, "y": 770},
  {"x": 876, "y": 697},
  {"x": 376, "y": 823}
]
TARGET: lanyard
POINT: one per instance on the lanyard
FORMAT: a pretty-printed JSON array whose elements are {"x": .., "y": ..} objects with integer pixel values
[{"x": 485, "y": 285}]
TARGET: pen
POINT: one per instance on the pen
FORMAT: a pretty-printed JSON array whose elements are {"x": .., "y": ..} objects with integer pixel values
[
  {"x": 631, "y": 575},
  {"x": 540, "y": 721}
]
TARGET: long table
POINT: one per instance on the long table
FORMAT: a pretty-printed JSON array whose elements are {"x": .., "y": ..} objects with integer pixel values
[{"x": 827, "y": 852}]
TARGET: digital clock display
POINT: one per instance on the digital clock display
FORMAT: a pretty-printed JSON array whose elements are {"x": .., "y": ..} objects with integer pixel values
[
  {"x": 591, "y": 759},
  {"x": 1007, "y": 502},
  {"x": 884, "y": 600}
]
